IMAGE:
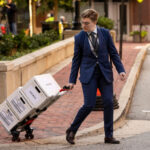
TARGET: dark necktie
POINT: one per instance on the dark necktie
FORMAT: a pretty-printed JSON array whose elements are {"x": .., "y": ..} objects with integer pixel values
[{"x": 94, "y": 42}]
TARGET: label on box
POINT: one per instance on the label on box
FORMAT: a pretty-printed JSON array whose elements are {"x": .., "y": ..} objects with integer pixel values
[
  {"x": 7, "y": 117},
  {"x": 19, "y": 104},
  {"x": 32, "y": 94}
]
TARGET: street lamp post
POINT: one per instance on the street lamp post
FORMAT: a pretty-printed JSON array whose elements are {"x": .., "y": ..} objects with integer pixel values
[
  {"x": 121, "y": 27},
  {"x": 140, "y": 23},
  {"x": 106, "y": 8},
  {"x": 76, "y": 23}
]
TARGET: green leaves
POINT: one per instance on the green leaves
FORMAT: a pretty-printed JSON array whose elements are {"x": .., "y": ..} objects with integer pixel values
[
  {"x": 6, "y": 44},
  {"x": 25, "y": 44},
  {"x": 136, "y": 32},
  {"x": 105, "y": 22},
  {"x": 67, "y": 5},
  {"x": 22, "y": 3},
  {"x": 47, "y": 5}
]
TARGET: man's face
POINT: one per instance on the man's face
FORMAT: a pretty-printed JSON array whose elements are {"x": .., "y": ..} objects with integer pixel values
[{"x": 87, "y": 24}]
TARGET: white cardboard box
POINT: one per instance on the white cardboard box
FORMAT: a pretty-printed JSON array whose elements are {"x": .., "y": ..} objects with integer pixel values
[
  {"x": 7, "y": 117},
  {"x": 40, "y": 90},
  {"x": 19, "y": 104}
]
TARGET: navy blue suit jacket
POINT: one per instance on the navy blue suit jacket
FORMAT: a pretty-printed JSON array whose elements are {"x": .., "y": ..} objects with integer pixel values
[{"x": 85, "y": 59}]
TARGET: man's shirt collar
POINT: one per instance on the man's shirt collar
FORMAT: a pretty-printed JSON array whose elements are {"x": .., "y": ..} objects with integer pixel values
[{"x": 95, "y": 31}]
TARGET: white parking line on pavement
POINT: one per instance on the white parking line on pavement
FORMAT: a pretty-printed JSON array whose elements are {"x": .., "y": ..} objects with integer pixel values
[
  {"x": 146, "y": 111},
  {"x": 138, "y": 47}
]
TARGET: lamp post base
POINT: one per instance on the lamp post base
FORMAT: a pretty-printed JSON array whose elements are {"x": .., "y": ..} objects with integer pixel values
[{"x": 99, "y": 106}]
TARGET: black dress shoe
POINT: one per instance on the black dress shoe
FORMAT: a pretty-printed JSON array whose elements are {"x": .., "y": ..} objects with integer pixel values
[
  {"x": 70, "y": 135},
  {"x": 111, "y": 141}
]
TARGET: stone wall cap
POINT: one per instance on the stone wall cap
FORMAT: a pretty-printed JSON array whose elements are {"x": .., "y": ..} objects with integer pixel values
[
  {"x": 34, "y": 56},
  {"x": 6, "y": 65},
  {"x": 23, "y": 61}
]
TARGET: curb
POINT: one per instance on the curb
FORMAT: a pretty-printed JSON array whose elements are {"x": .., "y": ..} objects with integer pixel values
[{"x": 119, "y": 114}]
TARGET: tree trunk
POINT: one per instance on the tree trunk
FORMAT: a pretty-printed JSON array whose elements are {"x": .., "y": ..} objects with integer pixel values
[
  {"x": 32, "y": 12},
  {"x": 30, "y": 15},
  {"x": 34, "y": 15}
]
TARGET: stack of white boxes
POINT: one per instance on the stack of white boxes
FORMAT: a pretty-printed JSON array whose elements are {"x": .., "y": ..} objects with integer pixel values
[{"x": 37, "y": 94}]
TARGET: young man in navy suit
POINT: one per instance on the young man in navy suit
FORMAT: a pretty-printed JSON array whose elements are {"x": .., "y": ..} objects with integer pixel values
[{"x": 92, "y": 53}]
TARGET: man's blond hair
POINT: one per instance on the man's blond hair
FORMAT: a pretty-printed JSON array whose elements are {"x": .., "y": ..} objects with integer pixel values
[{"x": 91, "y": 14}]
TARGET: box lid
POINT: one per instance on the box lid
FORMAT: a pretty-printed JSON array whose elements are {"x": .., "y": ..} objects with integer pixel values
[{"x": 47, "y": 84}]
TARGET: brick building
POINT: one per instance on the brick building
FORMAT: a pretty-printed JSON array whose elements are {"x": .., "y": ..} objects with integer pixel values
[{"x": 134, "y": 14}]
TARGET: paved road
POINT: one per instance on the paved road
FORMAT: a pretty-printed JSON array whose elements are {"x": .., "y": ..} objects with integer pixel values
[{"x": 140, "y": 108}]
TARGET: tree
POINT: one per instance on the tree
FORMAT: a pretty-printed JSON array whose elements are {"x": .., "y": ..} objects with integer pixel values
[
  {"x": 46, "y": 5},
  {"x": 67, "y": 5}
]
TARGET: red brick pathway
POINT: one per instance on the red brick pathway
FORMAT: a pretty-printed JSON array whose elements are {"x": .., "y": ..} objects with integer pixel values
[{"x": 55, "y": 120}]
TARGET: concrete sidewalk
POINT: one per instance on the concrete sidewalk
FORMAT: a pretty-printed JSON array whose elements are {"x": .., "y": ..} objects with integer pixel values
[{"x": 58, "y": 117}]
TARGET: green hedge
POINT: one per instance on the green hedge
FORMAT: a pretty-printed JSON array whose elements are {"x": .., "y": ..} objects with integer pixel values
[
  {"x": 24, "y": 44},
  {"x": 105, "y": 22}
]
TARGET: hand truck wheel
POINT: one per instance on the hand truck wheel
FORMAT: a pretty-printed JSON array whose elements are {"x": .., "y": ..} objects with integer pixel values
[
  {"x": 17, "y": 139},
  {"x": 29, "y": 136},
  {"x": 15, "y": 135}
]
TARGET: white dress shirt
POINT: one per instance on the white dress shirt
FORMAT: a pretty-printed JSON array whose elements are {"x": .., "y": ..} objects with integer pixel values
[{"x": 90, "y": 39}]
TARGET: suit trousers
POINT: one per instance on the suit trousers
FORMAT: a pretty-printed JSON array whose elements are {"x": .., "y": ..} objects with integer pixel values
[{"x": 89, "y": 92}]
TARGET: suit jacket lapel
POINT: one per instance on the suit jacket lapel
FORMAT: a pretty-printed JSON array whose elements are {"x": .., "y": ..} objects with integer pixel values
[{"x": 100, "y": 37}]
